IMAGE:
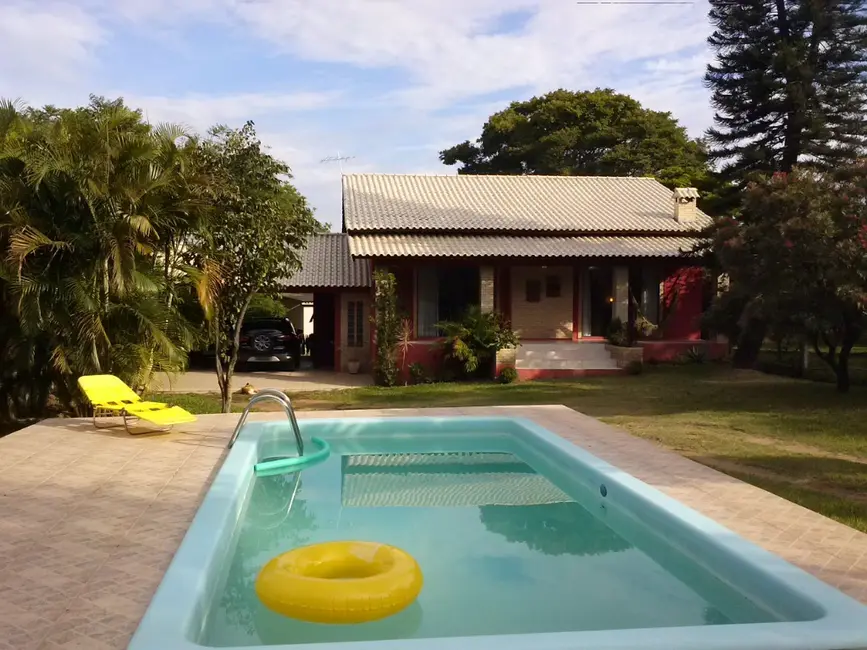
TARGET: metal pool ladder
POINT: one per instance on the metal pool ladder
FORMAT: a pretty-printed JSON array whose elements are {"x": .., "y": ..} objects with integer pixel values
[{"x": 285, "y": 402}]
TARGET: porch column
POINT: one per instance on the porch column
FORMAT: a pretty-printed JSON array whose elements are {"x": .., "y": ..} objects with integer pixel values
[
  {"x": 621, "y": 294},
  {"x": 486, "y": 289}
]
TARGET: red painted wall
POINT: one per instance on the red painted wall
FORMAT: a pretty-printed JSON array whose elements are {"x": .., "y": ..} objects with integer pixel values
[
  {"x": 428, "y": 353},
  {"x": 682, "y": 301}
]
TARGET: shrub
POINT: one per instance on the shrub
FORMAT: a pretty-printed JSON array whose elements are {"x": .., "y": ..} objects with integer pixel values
[
  {"x": 695, "y": 355},
  {"x": 471, "y": 344},
  {"x": 618, "y": 333},
  {"x": 418, "y": 374},
  {"x": 388, "y": 328},
  {"x": 644, "y": 328},
  {"x": 507, "y": 375}
]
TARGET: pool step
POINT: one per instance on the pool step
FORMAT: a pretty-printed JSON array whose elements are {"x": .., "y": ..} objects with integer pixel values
[{"x": 565, "y": 355}]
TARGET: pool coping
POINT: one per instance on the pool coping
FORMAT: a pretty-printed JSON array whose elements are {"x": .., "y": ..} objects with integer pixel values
[
  {"x": 89, "y": 520},
  {"x": 840, "y": 623}
]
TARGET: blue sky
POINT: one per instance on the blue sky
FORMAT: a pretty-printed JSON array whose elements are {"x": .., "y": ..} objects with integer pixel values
[{"x": 390, "y": 82}]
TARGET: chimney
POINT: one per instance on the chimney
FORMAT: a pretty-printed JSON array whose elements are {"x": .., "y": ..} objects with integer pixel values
[{"x": 684, "y": 204}]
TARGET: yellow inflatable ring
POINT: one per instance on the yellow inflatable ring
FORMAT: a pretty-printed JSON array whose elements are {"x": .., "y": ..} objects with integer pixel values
[{"x": 340, "y": 582}]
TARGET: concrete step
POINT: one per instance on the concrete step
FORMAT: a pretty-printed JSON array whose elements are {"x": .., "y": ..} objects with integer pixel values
[
  {"x": 565, "y": 364},
  {"x": 577, "y": 355},
  {"x": 576, "y": 350},
  {"x": 565, "y": 355}
]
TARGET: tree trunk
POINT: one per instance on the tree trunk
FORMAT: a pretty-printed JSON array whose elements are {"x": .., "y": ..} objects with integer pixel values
[
  {"x": 226, "y": 393},
  {"x": 224, "y": 379},
  {"x": 750, "y": 344},
  {"x": 842, "y": 372},
  {"x": 793, "y": 101},
  {"x": 851, "y": 336},
  {"x": 225, "y": 373}
]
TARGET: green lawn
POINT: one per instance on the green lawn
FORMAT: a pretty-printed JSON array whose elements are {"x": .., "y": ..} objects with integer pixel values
[{"x": 798, "y": 439}]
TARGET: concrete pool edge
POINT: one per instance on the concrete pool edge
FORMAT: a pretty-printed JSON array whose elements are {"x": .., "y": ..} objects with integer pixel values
[{"x": 218, "y": 512}]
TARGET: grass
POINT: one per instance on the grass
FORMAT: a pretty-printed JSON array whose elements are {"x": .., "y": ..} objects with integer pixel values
[{"x": 798, "y": 439}]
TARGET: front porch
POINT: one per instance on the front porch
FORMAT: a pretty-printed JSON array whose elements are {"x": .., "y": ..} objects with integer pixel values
[{"x": 561, "y": 311}]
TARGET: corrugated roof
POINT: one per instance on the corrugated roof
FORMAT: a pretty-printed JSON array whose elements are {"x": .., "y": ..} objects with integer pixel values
[
  {"x": 573, "y": 204},
  {"x": 326, "y": 263},
  {"x": 515, "y": 246}
]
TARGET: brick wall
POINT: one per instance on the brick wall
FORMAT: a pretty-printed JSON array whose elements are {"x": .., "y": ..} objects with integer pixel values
[{"x": 551, "y": 317}]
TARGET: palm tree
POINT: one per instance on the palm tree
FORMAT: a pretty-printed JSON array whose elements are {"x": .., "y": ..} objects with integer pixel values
[{"x": 93, "y": 207}]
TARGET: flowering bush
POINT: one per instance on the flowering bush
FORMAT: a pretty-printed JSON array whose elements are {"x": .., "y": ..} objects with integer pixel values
[{"x": 797, "y": 258}]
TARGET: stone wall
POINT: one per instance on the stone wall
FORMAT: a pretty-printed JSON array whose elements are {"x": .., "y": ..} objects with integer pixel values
[{"x": 623, "y": 356}]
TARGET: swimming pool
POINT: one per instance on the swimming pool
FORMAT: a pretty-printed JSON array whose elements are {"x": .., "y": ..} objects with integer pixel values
[{"x": 526, "y": 542}]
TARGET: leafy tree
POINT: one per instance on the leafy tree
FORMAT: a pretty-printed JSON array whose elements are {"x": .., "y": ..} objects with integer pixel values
[
  {"x": 260, "y": 224},
  {"x": 389, "y": 326},
  {"x": 788, "y": 83},
  {"x": 788, "y": 86},
  {"x": 798, "y": 260},
  {"x": 592, "y": 133},
  {"x": 83, "y": 194},
  {"x": 266, "y": 307}
]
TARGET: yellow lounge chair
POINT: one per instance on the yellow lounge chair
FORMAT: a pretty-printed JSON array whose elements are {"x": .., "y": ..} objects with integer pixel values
[{"x": 109, "y": 396}]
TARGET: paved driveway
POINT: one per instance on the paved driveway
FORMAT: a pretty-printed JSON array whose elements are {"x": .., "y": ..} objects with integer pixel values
[{"x": 205, "y": 381}]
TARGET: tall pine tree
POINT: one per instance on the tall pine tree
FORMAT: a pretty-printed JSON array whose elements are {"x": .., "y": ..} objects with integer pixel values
[{"x": 788, "y": 84}]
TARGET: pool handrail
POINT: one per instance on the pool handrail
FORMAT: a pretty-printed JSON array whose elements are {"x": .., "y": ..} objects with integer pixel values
[{"x": 285, "y": 402}]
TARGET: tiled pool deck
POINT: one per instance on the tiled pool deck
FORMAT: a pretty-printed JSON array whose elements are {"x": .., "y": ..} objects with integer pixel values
[{"x": 89, "y": 520}]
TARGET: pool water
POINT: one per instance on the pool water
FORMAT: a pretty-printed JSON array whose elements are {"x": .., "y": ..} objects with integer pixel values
[{"x": 502, "y": 548}]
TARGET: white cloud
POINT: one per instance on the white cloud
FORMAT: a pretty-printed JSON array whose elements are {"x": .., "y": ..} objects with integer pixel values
[
  {"x": 43, "y": 47},
  {"x": 203, "y": 111},
  {"x": 446, "y": 59}
]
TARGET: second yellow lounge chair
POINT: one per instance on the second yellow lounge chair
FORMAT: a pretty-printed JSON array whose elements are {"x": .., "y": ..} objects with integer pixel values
[{"x": 109, "y": 396}]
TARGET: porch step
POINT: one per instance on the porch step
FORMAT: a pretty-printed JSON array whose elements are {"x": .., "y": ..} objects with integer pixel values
[{"x": 565, "y": 355}]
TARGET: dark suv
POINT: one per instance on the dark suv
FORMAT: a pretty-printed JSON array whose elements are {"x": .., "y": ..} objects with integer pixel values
[{"x": 270, "y": 340}]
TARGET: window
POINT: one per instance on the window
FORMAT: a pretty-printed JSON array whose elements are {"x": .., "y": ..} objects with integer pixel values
[
  {"x": 552, "y": 286},
  {"x": 355, "y": 324},
  {"x": 533, "y": 291},
  {"x": 444, "y": 294}
]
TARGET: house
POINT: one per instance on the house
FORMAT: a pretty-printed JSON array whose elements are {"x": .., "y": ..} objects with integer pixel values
[{"x": 560, "y": 256}]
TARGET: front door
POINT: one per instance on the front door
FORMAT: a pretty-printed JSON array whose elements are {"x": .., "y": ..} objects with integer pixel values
[
  {"x": 598, "y": 300},
  {"x": 322, "y": 345}
]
